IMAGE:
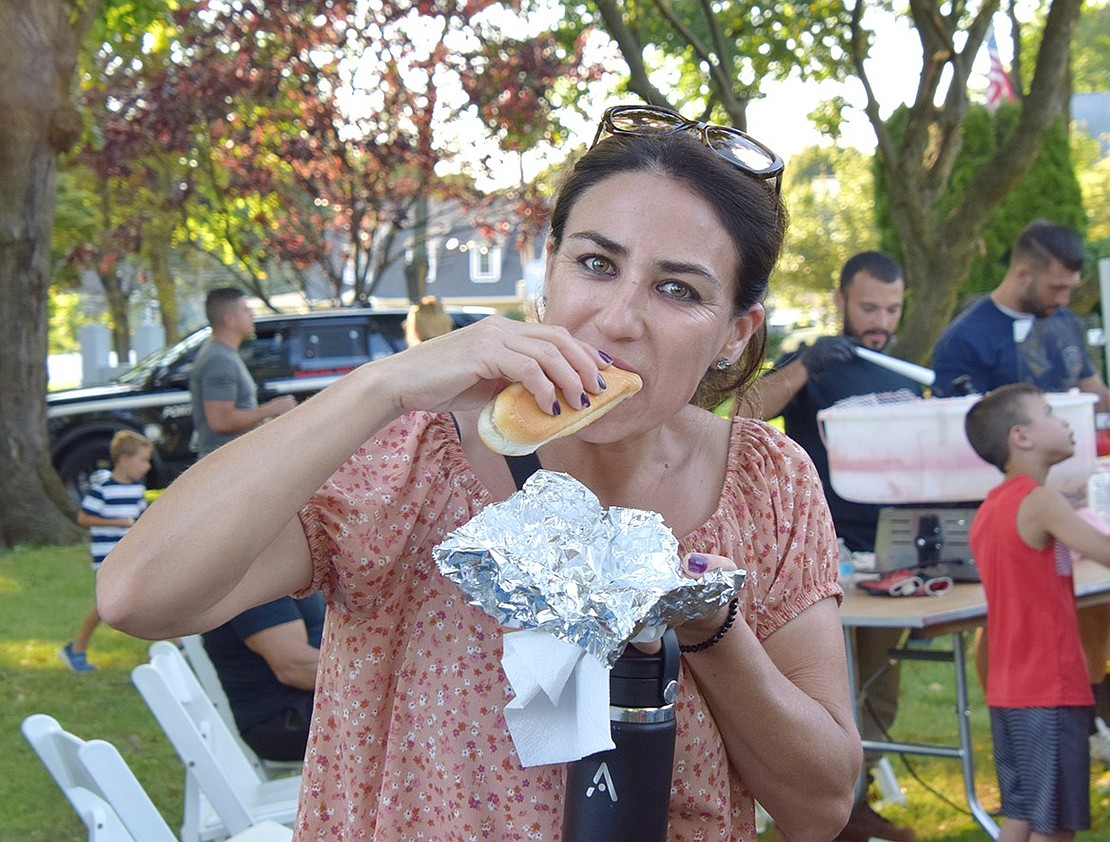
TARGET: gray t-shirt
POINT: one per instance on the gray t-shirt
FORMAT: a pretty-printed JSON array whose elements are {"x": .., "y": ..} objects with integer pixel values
[{"x": 218, "y": 375}]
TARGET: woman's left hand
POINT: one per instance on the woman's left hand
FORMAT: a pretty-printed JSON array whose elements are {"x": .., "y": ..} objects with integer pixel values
[{"x": 694, "y": 566}]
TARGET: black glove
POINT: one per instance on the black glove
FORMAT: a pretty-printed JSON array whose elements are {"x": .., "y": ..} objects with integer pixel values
[{"x": 827, "y": 352}]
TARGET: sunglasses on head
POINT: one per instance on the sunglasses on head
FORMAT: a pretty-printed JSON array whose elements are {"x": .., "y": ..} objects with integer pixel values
[{"x": 738, "y": 148}]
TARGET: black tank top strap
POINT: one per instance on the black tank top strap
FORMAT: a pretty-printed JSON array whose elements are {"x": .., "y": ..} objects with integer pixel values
[{"x": 523, "y": 467}]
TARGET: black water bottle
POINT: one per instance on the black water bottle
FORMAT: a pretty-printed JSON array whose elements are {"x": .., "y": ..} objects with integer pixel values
[{"x": 623, "y": 794}]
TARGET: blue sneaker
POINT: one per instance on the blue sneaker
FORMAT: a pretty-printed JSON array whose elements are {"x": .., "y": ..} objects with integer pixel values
[{"x": 76, "y": 661}]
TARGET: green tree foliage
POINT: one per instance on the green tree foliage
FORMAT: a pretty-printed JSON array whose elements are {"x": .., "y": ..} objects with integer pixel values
[
  {"x": 829, "y": 192},
  {"x": 280, "y": 139},
  {"x": 1091, "y": 73},
  {"x": 129, "y": 239},
  {"x": 938, "y": 228},
  {"x": 1090, "y": 67},
  {"x": 1050, "y": 190},
  {"x": 66, "y": 320},
  {"x": 1094, "y": 180},
  {"x": 716, "y": 48},
  {"x": 716, "y": 56},
  {"x": 76, "y": 223}
]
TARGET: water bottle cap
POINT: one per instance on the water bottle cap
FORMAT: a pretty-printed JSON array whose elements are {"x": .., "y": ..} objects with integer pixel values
[{"x": 642, "y": 680}]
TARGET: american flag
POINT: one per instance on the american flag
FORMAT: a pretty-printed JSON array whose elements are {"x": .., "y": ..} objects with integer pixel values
[{"x": 999, "y": 88}]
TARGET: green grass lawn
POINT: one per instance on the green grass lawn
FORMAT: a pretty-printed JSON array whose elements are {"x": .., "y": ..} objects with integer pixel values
[
  {"x": 936, "y": 807},
  {"x": 44, "y": 594}
]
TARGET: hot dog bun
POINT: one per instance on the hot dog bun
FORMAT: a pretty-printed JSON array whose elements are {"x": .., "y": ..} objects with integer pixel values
[{"x": 513, "y": 425}]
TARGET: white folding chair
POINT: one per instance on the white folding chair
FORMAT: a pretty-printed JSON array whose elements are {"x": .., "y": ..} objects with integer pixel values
[
  {"x": 197, "y": 656},
  {"x": 209, "y": 679},
  {"x": 224, "y": 793},
  {"x": 57, "y": 749},
  {"x": 105, "y": 792}
]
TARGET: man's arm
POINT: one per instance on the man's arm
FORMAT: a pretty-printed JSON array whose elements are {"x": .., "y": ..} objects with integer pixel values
[
  {"x": 224, "y": 417},
  {"x": 973, "y": 354},
  {"x": 1095, "y": 386},
  {"x": 768, "y": 396},
  {"x": 946, "y": 364},
  {"x": 286, "y": 650}
]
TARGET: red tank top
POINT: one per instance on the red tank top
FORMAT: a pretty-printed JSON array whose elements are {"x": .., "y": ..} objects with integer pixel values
[{"x": 1036, "y": 657}]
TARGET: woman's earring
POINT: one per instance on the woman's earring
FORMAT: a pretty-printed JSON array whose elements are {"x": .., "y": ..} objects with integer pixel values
[{"x": 723, "y": 363}]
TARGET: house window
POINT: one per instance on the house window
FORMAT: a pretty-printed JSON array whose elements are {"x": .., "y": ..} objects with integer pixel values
[{"x": 485, "y": 263}]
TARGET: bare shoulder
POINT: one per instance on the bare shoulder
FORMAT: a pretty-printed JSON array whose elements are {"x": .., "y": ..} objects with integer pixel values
[
  {"x": 1049, "y": 500},
  {"x": 1039, "y": 512}
]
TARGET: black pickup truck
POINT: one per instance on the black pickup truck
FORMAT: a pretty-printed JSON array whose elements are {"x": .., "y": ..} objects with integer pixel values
[{"x": 290, "y": 354}]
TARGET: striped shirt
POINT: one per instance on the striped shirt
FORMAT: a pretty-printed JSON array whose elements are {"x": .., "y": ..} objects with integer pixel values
[{"x": 112, "y": 499}]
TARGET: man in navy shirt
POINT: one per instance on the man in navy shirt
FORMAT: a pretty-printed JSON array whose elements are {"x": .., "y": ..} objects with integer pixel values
[
  {"x": 869, "y": 299},
  {"x": 1023, "y": 332},
  {"x": 266, "y": 659}
]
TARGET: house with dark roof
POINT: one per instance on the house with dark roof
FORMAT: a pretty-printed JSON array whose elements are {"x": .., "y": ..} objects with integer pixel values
[{"x": 486, "y": 265}]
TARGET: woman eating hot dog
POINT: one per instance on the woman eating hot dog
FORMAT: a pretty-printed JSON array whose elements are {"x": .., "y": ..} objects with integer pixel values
[{"x": 662, "y": 239}]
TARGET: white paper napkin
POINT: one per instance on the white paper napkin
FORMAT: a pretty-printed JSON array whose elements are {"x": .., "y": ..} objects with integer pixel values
[{"x": 561, "y": 709}]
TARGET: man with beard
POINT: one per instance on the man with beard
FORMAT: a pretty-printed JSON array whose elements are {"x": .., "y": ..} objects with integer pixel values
[
  {"x": 869, "y": 299},
  {"x": 1023, "y": 332}
]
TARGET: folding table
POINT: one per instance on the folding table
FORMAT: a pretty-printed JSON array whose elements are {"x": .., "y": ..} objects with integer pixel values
[{"x": 962, "y": 608}]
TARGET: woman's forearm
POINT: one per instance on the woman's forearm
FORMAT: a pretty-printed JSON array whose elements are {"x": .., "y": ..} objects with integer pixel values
[
  {"x": 224, "y": 535},
  {"x": 784, "y": 713}
]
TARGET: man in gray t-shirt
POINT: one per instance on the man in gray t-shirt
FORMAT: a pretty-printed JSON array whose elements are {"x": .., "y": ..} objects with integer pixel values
[{"x": 225, "y": 401}]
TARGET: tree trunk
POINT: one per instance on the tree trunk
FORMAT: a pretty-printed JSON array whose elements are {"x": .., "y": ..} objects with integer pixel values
[
  {"x": 163, "y": 287},
  {"x": 934, "y": 297},
  {"x": 38, "y": 51},
  {"x": 157, "y": 248},
  {"x": 119, "y": 307},
  {"x": 416, "y": 271},
  {"x": 939, "y": 243}
]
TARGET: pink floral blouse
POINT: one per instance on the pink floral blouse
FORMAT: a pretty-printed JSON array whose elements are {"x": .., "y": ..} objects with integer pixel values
[{"x": 408, "y": 736}]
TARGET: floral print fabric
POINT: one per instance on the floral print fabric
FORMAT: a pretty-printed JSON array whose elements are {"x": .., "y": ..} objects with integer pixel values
[{"x": 408, "y": 737}]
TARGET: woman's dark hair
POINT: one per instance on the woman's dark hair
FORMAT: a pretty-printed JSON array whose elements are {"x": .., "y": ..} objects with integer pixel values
[{"x": 747, "y": 207}]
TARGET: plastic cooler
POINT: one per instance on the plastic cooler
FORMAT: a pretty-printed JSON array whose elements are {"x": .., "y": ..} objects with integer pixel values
[{"x": 915, "y": 451}]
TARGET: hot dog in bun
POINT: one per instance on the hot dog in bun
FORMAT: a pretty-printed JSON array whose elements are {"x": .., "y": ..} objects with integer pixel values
[{"x": 513, "y": 425}]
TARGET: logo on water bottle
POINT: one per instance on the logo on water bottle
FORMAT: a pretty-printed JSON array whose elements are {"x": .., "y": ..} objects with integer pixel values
[{"x": 603, "y": 782}]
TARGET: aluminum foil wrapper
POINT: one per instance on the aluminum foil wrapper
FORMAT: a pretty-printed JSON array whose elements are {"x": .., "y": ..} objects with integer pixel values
[{"x": 551, "y": 558}]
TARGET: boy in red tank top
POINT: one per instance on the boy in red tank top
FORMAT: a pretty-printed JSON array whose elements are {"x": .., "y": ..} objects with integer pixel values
[{"x": 1038, "y": 693}]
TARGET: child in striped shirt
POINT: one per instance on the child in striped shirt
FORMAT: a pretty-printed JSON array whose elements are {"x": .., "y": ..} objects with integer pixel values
[{"x": 109, "y": 510}]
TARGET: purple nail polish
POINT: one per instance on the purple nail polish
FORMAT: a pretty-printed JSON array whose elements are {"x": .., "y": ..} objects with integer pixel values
[
  {"x": 605, "y": 358},
  {"x": 585, "y": 399},
  {"x": 556, "y": 409},
  {"x": 601, "y": 382},
  {"x": 697, "y": 564}
]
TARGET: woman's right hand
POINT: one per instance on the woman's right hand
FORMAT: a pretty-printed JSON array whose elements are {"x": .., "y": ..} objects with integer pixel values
[
  {"x": 198, "y": 558},
  {"x": 465, "y": 368}
]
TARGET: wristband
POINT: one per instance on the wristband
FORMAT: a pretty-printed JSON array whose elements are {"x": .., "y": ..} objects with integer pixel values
[{"x": 733, "y": 606}]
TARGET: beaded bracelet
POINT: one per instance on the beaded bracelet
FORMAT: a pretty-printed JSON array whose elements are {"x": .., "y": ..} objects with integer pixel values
[{"x": 733, "y": 606}]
